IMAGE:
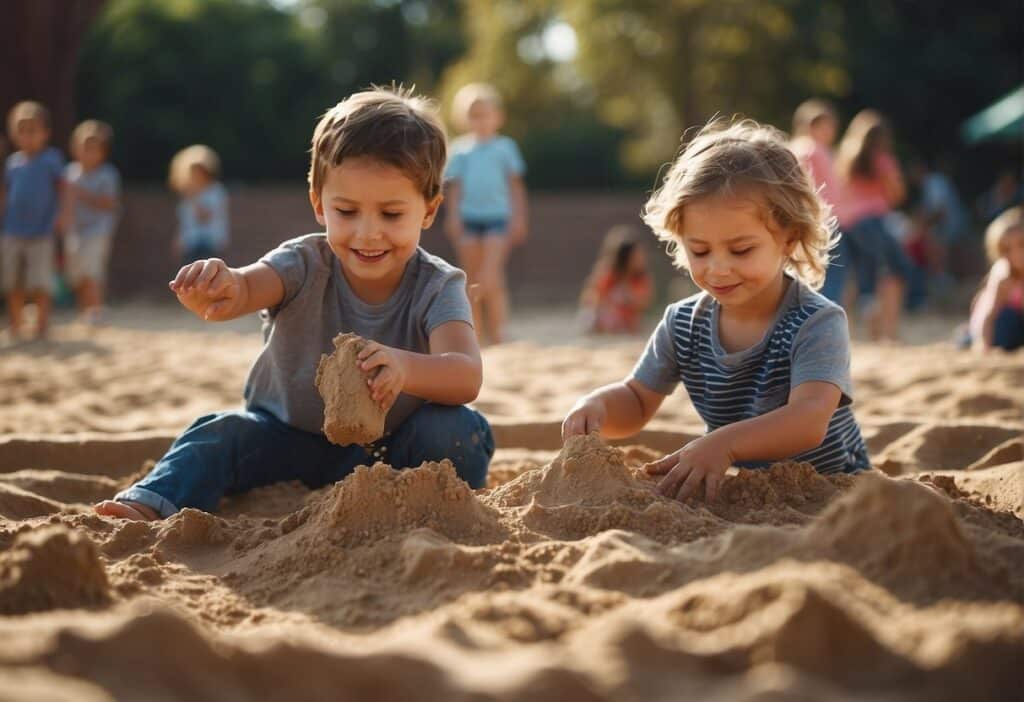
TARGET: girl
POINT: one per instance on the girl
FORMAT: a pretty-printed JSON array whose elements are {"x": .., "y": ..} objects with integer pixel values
[
  {"x": 765, "y": 359},
  {"x": 487, "y": 196},
  {"x": 203, "y": 210},
  {"x": 815, "y": 126},
  {"x": 997, "y": 316},
  {"x": 619, "y": 289},
  {"x": 873, "y": 185}
]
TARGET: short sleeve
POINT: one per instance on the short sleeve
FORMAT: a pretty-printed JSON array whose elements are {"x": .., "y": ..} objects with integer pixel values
[
  {"x": 111, "y": 183},
  {"x": 291, "y": 262},
  {"x": 514, "y": 162},
  {"x": 450, "y": 305},
  {"x": 456, "y": 166},
  {"x": 657, "y": 368},
  {"x": 821, "y": 352}
]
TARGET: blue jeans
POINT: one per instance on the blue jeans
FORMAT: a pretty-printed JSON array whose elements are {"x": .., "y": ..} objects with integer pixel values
[
  {"x": 835, "y": 274},
  {"x": 232, "y": 452},
  {"x": 876, "y": 254},
  {"x": 1008, "y": 329}
]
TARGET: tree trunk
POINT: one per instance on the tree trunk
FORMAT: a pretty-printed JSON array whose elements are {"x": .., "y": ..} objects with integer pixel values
[{"x": 39, "y": 44}]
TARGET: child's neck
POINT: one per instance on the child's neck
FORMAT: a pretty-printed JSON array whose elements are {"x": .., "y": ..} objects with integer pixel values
[
  {"x": 742, "y": 326},
  {"x": 375, "y": 292}
]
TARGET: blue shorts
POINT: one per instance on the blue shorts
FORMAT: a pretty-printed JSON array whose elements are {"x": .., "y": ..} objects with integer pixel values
[{"x": 480, "y": 228}]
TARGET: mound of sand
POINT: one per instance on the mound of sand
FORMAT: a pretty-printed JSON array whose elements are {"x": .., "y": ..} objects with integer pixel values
[
  {"x": 569, "y": 579},
  {"x": 350, "y": 414}
]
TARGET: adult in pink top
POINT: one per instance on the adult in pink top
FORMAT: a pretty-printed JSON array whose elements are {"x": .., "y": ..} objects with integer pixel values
[
  {"x": 815, "y": 126},
  {"x": 873, "y": 185}
]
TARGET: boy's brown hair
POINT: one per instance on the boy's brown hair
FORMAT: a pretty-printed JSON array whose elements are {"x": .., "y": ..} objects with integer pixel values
[
  {"x": 26, "y": 110},
  {"x": 92, "y": 129},
  {"x": 746, "y": 159},
  {"x": 199, "y": 155},
  {"x": 393, "y": 126}
]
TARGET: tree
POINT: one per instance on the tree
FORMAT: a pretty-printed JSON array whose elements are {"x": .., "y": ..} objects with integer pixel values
[{"x": 39, "y": 46}]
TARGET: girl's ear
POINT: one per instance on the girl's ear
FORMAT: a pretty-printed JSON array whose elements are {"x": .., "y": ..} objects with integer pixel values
[{"x": 318, "y": 207}]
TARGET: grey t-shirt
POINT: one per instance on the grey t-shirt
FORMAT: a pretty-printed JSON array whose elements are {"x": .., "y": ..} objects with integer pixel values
[
  {"x": 807, "y": 341},
  {"x": 318, "y": 304},
  {"x": 104, "y": 180}
]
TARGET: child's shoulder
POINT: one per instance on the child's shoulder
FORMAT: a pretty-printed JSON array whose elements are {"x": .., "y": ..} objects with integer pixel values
[
  {"x": 435, "y": 267},
  {"x": 696, "y": 305}
]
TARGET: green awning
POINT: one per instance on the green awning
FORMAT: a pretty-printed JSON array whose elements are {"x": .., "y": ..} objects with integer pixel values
[{"x": 1002, "y": 120}]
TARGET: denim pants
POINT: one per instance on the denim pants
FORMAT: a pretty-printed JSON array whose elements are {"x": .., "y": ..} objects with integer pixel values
[
  {"x": 232, "y": 452},
  {"x": 1008, "y": 329},
  {"x": 875, "y": 254}
]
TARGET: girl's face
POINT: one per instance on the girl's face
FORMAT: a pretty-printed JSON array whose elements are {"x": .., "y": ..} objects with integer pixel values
[
  {"x": 731, "y": 253},
  {"x": 637, "y": 262},
  {"x": 1012, "y": 248},
  {"x": 91, "y": 153},
  {"x": 374, "y": 215},
  {"x": 198, "y": 179},
  {"x": 484, "y": 119},
  {"x": 824, "y": 131}
]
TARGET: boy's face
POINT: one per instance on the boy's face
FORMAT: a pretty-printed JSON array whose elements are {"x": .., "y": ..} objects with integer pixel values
[
  {"x": 198, "y": 179},
  {"x": 91, "y": 153},
  {"x": 30, "y": 136},
  {"x": 374, "y": 215},
  {"x": 730, "y": 251},
  {"x": 484, "y": 119}
]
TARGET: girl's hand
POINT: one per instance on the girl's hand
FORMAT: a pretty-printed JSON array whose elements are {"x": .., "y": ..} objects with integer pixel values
[
  {"x": 587, "y": 416},
  {"x": 704, "y": 460},
  {"x": 209, "y": 288},
  {"x": 389, "y": 380}
]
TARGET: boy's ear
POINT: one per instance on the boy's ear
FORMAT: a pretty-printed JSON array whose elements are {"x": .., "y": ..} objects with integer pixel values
[
  {"x": 318, "y": 207},
  {"x": 432, "y": 207}
]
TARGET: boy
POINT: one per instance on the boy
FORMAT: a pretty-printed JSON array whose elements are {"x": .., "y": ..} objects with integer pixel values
[
  {"x": 375, "y": 182},
  {"x": 487, "y": 212},
  {"x": 32, "y": 187},
  {"x": 92, "y": 202}
]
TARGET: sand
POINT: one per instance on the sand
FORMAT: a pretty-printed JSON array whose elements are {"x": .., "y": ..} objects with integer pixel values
[
  {"x": 350, "y": 414},
  {"x": 567, "y": 579}
]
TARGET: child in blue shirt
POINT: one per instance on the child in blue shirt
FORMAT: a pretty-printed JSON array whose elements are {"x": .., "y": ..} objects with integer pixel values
[
  {"x": 92, "y": 205},
  {"x": 764, "y": 358},
  {"x": 487, "y": 211},
  {"x": 32, "y": 190},
  {"x": 203, "y": 229},
  {"x": 375, "y": 184}
]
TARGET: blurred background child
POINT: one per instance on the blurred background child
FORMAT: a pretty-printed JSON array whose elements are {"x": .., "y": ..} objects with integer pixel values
[
  {"x": 997, "y": 315},
  {"x": 815, "y": 127},
  {"x": 873, "y": 186},
  {"x": 92, "y": 200},
  {"x": 203, "y": 210},
  {"x": 619, "y": 289},
  {"x": 32, "y": 186},
  {"x": 486, "y": 213}
]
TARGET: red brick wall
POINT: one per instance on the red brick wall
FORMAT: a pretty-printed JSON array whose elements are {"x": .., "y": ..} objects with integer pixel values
[{"x": 565, "y": 233}]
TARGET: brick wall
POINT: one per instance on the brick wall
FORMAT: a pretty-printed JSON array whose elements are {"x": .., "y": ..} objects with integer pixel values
[{"x": 565, "y": 233}]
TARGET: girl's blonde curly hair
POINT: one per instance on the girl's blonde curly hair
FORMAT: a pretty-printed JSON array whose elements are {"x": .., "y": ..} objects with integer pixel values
[{"x": 747, "y": 159}]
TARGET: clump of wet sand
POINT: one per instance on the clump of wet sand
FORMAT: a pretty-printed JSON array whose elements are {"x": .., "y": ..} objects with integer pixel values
[{"x": 350, "y": 414}]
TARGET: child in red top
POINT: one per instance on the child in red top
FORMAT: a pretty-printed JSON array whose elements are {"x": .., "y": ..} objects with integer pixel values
[
  {"x": 619, "y": 289},
  {"x": 997, "y": 315}
]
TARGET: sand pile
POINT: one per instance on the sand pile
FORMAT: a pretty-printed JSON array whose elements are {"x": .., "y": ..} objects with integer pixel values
[
  {"x": 569, "y": 579},
  {"x": 350, "y": 414}
]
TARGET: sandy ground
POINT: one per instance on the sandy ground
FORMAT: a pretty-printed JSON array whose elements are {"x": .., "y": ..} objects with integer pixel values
[{"x": 566, "y": 579}]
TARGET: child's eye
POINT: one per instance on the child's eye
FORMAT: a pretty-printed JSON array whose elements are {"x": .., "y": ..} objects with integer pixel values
[
  {"x": 345, "y": 213},
  {"x": 743, "y": 252},
  {"x": 392, "y": 215},
  {"x": 698, "y": 254}
]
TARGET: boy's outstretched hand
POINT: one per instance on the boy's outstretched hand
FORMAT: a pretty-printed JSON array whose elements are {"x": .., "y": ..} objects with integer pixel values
[
  {"x": 586, "y": 417},
  {"x": 704, "y": 460},
  {"x": 389, "y": 380},
  {"x": 210, "y": 289}
]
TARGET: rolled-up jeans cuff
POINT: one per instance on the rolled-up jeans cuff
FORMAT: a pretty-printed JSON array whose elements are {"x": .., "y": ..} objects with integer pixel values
[{"x": 161, "y": 505}]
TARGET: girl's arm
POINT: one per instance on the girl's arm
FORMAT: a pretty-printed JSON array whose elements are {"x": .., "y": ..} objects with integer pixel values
[
  {"x": 615, "y": 411},
  {"x": 991, "y": 300},
  {"x": 519, "y": 215},
  {"x": 452, "y": 221},
  {"x": 800, "y": 425},
  {"x": 100, "y": 201},
  {"x": 451, "y": 374},
  {"x": 217, "y": 293}
]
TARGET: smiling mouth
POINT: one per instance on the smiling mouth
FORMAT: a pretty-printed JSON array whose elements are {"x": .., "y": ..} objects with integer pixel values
[
  {"x": 369, "y": 255},
  {"x": 722, "y": 289}
]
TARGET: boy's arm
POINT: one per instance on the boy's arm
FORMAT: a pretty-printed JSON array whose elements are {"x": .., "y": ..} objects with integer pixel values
[
  {"x": 217, "y": 293},
  {"x": 451, "y": 374},
  {"x": 517, "y": 223},
  {"x": 615, "y": 411}
]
